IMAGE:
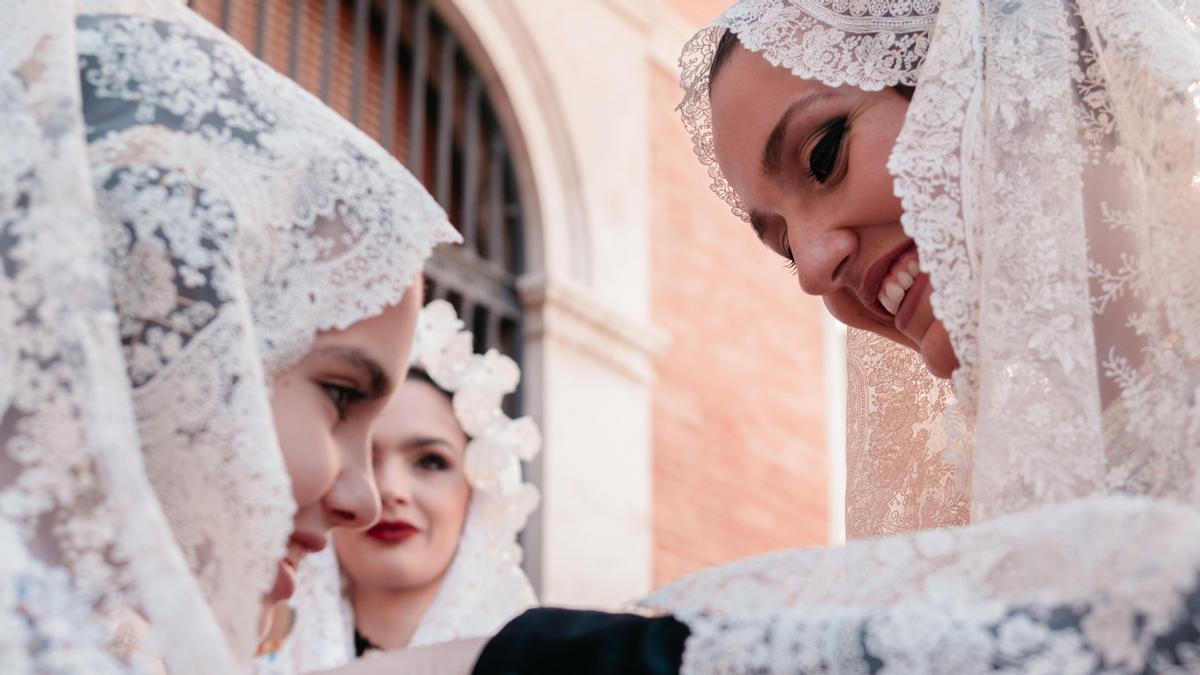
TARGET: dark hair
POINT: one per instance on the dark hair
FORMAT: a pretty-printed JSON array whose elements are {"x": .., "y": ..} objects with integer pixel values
[
  {"x": 418, "y": 375},
  {"x": 724, "y": 50}
]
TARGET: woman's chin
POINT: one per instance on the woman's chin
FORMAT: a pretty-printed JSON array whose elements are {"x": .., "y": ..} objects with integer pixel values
[{"x": 284, "y": 586}]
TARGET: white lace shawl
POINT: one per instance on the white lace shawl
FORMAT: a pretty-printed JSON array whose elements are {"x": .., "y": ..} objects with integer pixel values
[
  {"x": 1047, "y": 167},
  {"x": 177, "y": 221}
]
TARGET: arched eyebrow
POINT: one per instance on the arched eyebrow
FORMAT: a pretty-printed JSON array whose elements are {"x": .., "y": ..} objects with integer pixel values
[
  {"x": 379, "y": 384},
  {"x": 418, "y": 442},
  {"x": 772, "y": 154},
  {"x": 758, "y": 223}
]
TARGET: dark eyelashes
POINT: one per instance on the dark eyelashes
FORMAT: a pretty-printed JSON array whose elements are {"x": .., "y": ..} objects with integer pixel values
[
  {"x": 822, "y": 164},
  {"x": 824, "y": 157},
  {"x": 433, "y": 462},
  {"x": 342, "y": 397},
  {"x": 789, "y": 259}
]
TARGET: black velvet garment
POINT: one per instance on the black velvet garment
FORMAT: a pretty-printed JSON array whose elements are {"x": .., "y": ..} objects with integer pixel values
[{"x": 549, "y": 641}]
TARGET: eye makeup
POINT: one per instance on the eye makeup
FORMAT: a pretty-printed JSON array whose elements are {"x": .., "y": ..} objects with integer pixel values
[{"x": 824, "y": 158}]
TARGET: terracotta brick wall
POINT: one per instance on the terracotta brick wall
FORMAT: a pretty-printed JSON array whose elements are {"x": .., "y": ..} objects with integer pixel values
[{"x": 739, "y": 407}]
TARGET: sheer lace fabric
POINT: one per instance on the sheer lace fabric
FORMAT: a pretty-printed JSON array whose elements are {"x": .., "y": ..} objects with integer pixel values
[
  {"x": 177, "y": 222},
  {"x": 976, "y": 599},
  {"x": 907, "y": 445},
  {"x": 1047, "y": 166}
]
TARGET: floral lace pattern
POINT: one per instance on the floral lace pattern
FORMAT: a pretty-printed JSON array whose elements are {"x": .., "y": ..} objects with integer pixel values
[
  {"x": 179, "y": 223},
  {"x": 1078, "y": 326},
  {"x": 961, "y": 600},
  {"x": 903, "y": 431}
]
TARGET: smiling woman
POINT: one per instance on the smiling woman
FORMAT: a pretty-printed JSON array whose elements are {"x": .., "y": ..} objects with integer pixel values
[
  {"x": 809, "y": 165},
  {"x": 396, "y": 567}
]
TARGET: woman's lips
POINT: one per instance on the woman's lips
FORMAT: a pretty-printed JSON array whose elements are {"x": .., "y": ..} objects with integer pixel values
[
  {"x": 285, "y": 582},
  {"x": 874, "y": 290},
  {"x": 912, "y": 300},
  {"x": 299, "y": 545},
  {"x": 392, "y": 531}
]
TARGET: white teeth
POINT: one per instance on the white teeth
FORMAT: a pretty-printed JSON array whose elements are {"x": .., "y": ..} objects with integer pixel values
[
  {"x": 892, "y": 293},
  {"x": 888, "y": 304},
  {"x": 891, "y": 296}
]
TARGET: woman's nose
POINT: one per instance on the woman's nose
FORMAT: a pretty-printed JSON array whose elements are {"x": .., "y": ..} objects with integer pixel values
[
  {"x": 394, "y": 481},
  {"x": 822, "y": 257},
  {"x": 353, "y": 502}
]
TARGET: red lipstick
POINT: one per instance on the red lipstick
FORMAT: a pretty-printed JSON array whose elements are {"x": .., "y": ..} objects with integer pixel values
[{"x": 392, "y": 531}]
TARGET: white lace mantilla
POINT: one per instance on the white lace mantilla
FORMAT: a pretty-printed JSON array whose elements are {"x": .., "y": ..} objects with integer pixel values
[
  {"x": 1047, "y": 591},
  {"x": 177, "y": 221}
]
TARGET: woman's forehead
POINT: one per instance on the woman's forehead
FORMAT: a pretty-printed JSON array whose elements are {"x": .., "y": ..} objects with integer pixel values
[
  {"x": 417, "y": 408},
  {"x": 750, "y": 98}
]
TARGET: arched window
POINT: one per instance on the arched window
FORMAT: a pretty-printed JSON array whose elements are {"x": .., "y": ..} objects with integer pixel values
[{"x": 396, "y": 69}]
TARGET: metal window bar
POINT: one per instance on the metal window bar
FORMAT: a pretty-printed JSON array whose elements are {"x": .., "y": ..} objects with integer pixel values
[
  {"x": 445, "y": 123},
  {"x": 497, "y": 220},
  {"x": 391, "y": 41},
  {"x": 514, "y": 239},
  {"x": 471, "y": 164},
  {"x": 496, "y": 200},
  {"x": 361, "y": 14},
  {"x": 418, "y": 90},
  {"x": 331, "y": 18},
  {"x": 260, "y": 28},
  {"x": 294, "y": 38}
]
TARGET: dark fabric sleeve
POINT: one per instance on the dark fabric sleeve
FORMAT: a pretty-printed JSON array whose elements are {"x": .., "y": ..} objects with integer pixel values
[{"x": 554, "y": 641}]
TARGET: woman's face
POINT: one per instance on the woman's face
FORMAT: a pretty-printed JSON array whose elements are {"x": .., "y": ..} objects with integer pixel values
[
  {"x": 325, "y": 407},
  {"x": 809, "y": 163},
  {"x": 418, "y": 454}
]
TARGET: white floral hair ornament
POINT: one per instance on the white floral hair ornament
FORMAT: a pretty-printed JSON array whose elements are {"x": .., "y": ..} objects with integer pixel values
[{"x": 478, "y": 383}]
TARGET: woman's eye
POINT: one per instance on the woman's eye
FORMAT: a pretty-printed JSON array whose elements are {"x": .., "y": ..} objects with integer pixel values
[
  {"x": 824, "y": 157},
  {"x": 342, "y": 397},
  {"x": 433, "y": 462},
  {"x": 790, "y": 260}
]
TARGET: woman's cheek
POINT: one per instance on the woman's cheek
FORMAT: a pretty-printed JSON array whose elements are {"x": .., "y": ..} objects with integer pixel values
[
  {"x": 307, "y": 443},
  {"x": 458, "y": 501},
  {"x": 446, "y": 507}
]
